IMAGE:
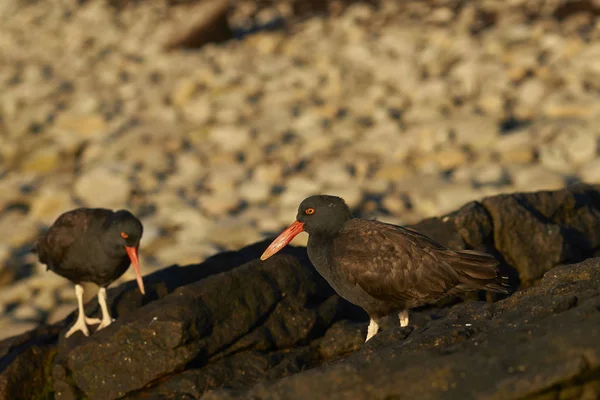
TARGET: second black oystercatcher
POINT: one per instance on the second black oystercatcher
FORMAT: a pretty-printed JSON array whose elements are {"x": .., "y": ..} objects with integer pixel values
[
  {"x": 384, "y": 268},
  {"x": 92, "y": 245}
]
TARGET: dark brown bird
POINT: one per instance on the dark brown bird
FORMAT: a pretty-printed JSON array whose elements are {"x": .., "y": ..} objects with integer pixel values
[
  {"x": 384, "y": 268},
  {"x": 92, "y": 245}
]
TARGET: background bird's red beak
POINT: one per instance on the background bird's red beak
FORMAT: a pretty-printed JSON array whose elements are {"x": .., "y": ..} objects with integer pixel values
[
  {"x": 283, "y": 239},
  {"x": 132, "y": 252}
]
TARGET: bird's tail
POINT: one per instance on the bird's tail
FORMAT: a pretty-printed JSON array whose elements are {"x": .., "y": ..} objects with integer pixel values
[{"x": 479, "y": 271}]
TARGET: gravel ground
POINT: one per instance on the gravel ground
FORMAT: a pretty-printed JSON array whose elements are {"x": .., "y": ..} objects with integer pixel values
[{"x": 407, "y": 111}]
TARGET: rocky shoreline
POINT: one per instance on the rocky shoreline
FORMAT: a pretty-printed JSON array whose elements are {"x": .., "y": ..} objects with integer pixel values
[
  {"x": 281, "y": 332},
  {"x": 214, "y": 147}
]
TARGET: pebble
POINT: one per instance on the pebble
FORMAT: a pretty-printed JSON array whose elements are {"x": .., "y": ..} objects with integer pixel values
[
  {"x": 49, "y": 204},
  {"x": 538, "y": 177},
  {"x": 102, "y": 187},
  {"x": 254, "y": 192},
  {"x": 590, "y": 172},
  {"x": 488, "y": 174},
  {"x": 16, "y": 229},
  {"x": 42, "y": 161},
  {"x": 45, "y": 300},
  {"x": 61, "y": 312},
  {"x": 9, "y": 327},
  {"x": 26, "y": 312},
  {"x": 188, "y": 254}
]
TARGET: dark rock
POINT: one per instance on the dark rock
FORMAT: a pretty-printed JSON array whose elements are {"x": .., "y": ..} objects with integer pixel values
[
  {"x": 538, "y": 231},
  {"x": 522, "y": 347},
  {"x": 26, "y": 375},
  {"x": 192, "y": 325},
  {"x": 235, "y": 327}
]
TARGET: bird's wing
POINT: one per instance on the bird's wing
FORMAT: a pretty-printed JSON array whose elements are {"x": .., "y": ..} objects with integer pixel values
[
  {"x": 53, "y": 247},
  {"x": 392, "y": 263}
]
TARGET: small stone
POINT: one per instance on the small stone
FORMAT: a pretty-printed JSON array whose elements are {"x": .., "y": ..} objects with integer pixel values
[
  {"x": 45, "y": 300},
  {"x": 488, "y": 174},
  {"x": 268, "y": 173},
  {"x": 67, "y": 295},
  {"x": 581, "y": 146},
  {"x": 61, "y": 312},
  {"x": 10, "y": 328},
  {"x": 49, "y": 204},
  {"x": 43, "y": 160},
  {"x": 26, "y": 312},
  {"x": 529, "y": 95},
  {"x": 522, "y": 156},
  {"x": 492, "y": 104},
  {"x": 564, "y": 108},
  {"x": 451, "y": 158},
  {"x": 475, "y": 132},
  {"x": 198, "y": 110},
  {"x": 184, "y": 91},
  {"x": 102, "y": 187},
  {"x": 186, "y": 254},
  {"x": 430, "y": 136},
  {"x": 535, "y": 178},
  {"x": 85, "y": 126},
  {"x": 454, "y": 196},
  {"x": 394, "y": 203},
  {"x": 571, "y": 147},
  {"x": 391, "y": 172},
  {"x": 333, "y": 173},
  {"x": 16, "y": 229},
  {"x": 233, "y": 233},
  {"x": 192, "y": 226},
  {"x": 590, "y": 172},
  {"x": 188, "y": 171},
  {"x": 254, "y": 192},
  {"x": 219, "y": 203},
  {"x": 230, "y": 138},
  {"x": 297, "y": 189}
]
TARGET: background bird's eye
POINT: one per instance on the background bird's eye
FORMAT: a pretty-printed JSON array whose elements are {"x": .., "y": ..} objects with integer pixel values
[
  {"x": 309, "y": 211},
  {"x": 124, "y": 235}
]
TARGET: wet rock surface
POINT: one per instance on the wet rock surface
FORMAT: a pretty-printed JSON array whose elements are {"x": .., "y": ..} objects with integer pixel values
[{"x": 235, "y": 327}]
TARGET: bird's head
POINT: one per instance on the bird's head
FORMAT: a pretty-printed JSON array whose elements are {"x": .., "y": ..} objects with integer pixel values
[
  {"x": 124, "y": 232},
  {"x": 317, "y": 215}
]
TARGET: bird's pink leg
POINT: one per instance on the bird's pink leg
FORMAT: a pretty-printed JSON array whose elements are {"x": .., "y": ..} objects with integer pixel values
[
  {"x": 80, "y": 324},
  {"x": 106, "y": 319},
  {"x": 403, "y": 317},
  {"x": 372, "y": 329}
]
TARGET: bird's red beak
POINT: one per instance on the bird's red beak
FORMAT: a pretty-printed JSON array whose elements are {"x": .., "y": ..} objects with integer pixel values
[
  {"x": 132, "y": 252},
  {"x": 283, "y": 239}
]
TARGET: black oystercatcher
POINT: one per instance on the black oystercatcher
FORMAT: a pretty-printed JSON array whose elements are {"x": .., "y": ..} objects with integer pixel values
[
  {"x": 384, "y": 268},
  {"x": 92, "y": 245}
]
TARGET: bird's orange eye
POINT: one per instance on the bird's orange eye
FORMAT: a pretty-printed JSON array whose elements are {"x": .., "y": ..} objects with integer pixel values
[
  {"x": 309, "y": 211},
  {"x": 124, "y": 235}
]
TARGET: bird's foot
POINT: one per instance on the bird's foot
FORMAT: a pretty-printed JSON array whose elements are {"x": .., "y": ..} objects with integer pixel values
[
  {"x": 372, "y": 330},
  {"x": 92, "y": 321},
  {"x": 78, "y": 326},
  {"x": 105, "y": 322},
  {"x": 403, "y": 317}
]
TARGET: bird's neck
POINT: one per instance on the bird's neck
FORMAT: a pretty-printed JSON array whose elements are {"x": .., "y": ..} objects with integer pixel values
[{"x": 319, "y": 249}]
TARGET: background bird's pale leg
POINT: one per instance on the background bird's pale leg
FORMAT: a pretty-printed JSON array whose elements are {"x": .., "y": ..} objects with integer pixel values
[
  {"x": 372, "y": 329},
  {"x": 403, "y": 317},
  {"x": 80, "y": 323},
  {"x": 106, "y": 319}
]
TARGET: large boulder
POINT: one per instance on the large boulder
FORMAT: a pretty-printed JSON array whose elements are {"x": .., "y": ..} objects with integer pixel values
[{"x": 236, "y": 327}]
